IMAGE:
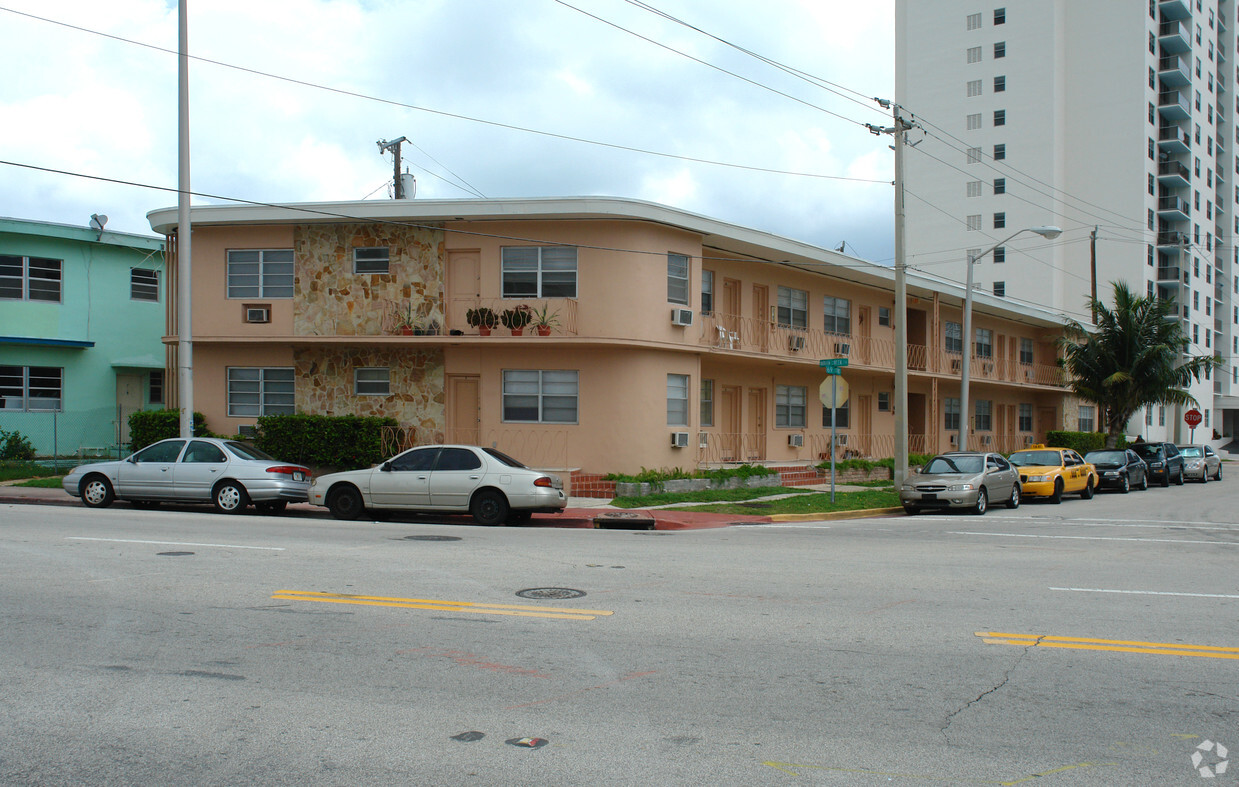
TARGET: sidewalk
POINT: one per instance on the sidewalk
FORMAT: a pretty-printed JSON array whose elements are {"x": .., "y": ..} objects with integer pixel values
[{"x": 580, "y": 512}]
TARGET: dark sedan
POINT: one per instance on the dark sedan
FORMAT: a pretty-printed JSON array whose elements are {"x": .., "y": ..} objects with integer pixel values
[
  {"x": 1119, "y": 469},
  {"x": 1164, "y": 461}
]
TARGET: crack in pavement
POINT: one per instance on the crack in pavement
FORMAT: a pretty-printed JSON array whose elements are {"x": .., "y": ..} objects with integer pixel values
[{"x": 1006, "y": 676}]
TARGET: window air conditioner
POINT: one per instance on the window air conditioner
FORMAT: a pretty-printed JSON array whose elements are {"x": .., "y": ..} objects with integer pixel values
[
  {"x": 795, "y": 440},
  {"x": 954, "y": 439},
  {"x": 679, "y": 439},
  {"x": 703, "y": 439},
  {"x": 257, "y": 314},
  {"x": 842, "y": 348},
  {"x": 795, "y": 343},
  {"x": 681, "y": 316},
  {"x": 841, "y": 439},
  {"x": 247, "y": 430}
]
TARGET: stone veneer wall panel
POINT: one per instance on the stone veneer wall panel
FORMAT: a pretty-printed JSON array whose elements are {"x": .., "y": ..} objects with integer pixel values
[
  {"x": 325, "y": 385},
  {"x": 331, "y": 300}
]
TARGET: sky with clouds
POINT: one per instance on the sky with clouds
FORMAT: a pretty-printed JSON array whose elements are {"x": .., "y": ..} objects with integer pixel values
[{"x": 502, "y": 98}]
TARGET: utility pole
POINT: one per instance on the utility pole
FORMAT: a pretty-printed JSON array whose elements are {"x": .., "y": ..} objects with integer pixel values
[
  {"x": 898, "y": 130},
  {"x": 184, "y": 258},
  {"x": 1092, "y": 258},
  {"x": 394, "y": 147}
]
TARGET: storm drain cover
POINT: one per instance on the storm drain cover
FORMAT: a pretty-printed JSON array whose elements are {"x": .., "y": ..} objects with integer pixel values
[
  {"x": 173, "y": 554},
  {"x": 557, "y": 593},
  {"x": 432, "y": 538}
]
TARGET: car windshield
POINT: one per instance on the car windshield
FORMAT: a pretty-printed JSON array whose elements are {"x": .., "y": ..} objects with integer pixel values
[
  {"x": 946, "y": 465},
  {"x": 1146, "y": 451},
  {"x": 502, "y": 457},
  {"x": 1106, "y": 457},
  {"x": 1035, "y": 458},
  {"x": 1192, "y": 450},
  {"x": 247, "y": 451}
]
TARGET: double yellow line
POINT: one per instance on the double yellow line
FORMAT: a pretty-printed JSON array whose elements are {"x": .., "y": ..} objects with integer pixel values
[
  {"x": 1121, "y": 646},
  {"x": 445, "y": 606}
]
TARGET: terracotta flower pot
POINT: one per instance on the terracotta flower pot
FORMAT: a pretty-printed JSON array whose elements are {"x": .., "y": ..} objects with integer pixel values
[
  {"x": 544, "y": 330},
  {"x": 483, "y": 330},
  {"x": 406, "y": 330},
  {"x": 518, "y": 331}
]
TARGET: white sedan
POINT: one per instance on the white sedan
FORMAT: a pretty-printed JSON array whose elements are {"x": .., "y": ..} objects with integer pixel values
[{"x": 490, "y": 485}]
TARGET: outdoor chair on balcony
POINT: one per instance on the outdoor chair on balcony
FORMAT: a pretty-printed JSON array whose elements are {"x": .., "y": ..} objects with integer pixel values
[{"x": 727, "y": 339}]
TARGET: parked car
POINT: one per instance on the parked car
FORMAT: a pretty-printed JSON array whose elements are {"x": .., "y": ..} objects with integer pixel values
[
  {"x": 962, "y": 479},
  {"x": 227, "y": 473},
  {"x": 1119, "y": 468},
  {"x": 490, "y": 485},
  {"x": 1053, "y": 472},
  {"x": 1164, "y": 461},
  {"x": 1200, "y": 463}
]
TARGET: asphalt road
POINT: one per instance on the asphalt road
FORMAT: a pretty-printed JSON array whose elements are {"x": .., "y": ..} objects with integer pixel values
[{"x": 1093, "y": 642}]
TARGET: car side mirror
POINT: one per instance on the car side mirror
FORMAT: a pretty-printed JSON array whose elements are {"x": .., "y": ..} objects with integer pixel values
[
  {"x": 386, "y": 468},
  {"x": 133, "y": 460}
]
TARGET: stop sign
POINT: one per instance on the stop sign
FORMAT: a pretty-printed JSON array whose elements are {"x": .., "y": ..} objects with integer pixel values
[{"x": 1192, "y": 418}]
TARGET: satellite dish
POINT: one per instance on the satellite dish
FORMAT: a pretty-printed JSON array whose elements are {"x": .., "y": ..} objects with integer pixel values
[{"x": 98, "y": 221}]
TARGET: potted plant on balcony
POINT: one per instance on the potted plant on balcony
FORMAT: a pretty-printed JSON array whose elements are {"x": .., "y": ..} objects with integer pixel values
[
  {"x": 544, "y": 320},
  {"x": 404, "y": 318},
  {"x": 483, "y": 319},
  {"x": 516, "y": 318}
]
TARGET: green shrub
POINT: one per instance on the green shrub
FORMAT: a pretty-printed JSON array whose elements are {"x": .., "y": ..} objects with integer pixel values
[
  {"x": 151, "y": 426},
  {"x": 1080, "y": 442},
  {"x": 867, "y": 465},
  {"x": 14, "y": 445},
  {"x": 346, "y": 442},
  {"x": 675, "y": 474}
]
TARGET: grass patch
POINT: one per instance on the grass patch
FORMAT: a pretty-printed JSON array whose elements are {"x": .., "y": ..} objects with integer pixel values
[
  {"x": 42, "y": 483},
  {"x": 15, "y": 471},
  {"x": 818, "y": 503},
  {"x": 704, "y": 496},
  {"x": 875, "y": 484}
]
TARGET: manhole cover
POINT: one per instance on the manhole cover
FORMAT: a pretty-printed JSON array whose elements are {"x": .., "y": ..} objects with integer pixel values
[
  {"x": 432, "y": 538},
  {"x": 173, "y": 554},
  {"x": 550, "y": 593}
]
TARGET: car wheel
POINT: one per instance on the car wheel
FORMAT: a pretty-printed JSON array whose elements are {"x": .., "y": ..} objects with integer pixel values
[
  {"x": 1087, "y": 494},
  {"x": 1179, "y": 479},
  {"x": 96, "y": 491},
  {"x": 489, "y": 507},
  {"x": 1166, "y": 479},
  {"x": 1204, "y": 476},
  {"x": 1144, "y": 482},
  {"x": 1057, "y": 497},
  {"x": 345, "y": 503},
  {"x": 982, "y": 502},
  {"x": 272, "y": 508},
  {"x": 1126, "y": 487},
  {"x": 1218, "y": 475},
  {"x": 230, "y": 498},
  {"x": 1014, "y": 500},
  {"x": 911, "y": 510}
]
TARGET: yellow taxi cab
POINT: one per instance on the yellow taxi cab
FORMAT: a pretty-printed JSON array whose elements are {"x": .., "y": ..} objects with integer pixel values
[{"x": 1054, "y": 472}]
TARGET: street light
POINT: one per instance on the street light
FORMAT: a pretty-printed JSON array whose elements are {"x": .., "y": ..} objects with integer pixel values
[{"x": 1048, "y": 233}]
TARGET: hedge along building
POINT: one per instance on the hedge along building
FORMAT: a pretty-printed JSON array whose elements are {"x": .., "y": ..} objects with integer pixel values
[{"x": 676, "y": 340}]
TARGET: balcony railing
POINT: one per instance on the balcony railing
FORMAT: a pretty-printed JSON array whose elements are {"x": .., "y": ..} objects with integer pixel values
[{"x": 563, "y": 311}]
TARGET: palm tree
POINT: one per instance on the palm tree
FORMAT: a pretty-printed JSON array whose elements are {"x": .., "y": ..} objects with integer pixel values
[{"x": 1133, "y": 358}]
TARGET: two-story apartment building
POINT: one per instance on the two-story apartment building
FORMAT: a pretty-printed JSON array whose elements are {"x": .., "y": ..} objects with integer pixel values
[
  {"x": 81, "y": 327},
  {"x": 674, "y": 341}
]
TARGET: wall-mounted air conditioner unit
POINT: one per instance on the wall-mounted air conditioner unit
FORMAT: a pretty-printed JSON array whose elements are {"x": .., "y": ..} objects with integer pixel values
[
  {"x": 703, "y": 439},
  {"x": 682, "y": 317},
  {"x": 679, "y": 439},
  {"x": 954, "y": 439},
  {"x": 247, "y": 430},
  {"x": 795, "y": 440},
  {"x": 257, "y": 314},
  {"x": 841, "y": 439},
  {"x": 795, "y": 343},
  {"x": 986, "y": 439},
  {"x": 842, "y": 348}
]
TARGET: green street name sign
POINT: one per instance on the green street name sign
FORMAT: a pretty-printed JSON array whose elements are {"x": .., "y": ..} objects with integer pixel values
[{"x": 832, "y": 363}]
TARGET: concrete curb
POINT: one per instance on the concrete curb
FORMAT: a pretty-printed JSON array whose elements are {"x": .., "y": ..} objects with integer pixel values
[{"x": 860, "y": 513}]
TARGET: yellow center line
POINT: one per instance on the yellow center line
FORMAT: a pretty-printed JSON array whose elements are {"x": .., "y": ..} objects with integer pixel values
[
  {"x": 449, "y": 606},
  {"x": 1116, "y": 645}
]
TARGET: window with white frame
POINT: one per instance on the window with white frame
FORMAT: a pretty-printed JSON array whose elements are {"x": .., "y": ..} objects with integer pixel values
[
  {"x": 677, "y": 278},
  {"x": 707, "y": 292},
  {"x": 974, "y": 54},
  {"x": 31, "y": 388},
  {"x": 539, "y": 271},
  {"x": 372, "y": 381},
  {"x": 258, "y": 391},
  {"x": 1000, "y": 288},
  {"x": 884, "y": 402},
  {"x": 707, "y": 403},
  {"x": 143, "y": 285},
  {"x": 1161, "y": 415},
  {"x": 1026, "y": 350},
  {"x": 984, "y": 343},
  {"x": 837, "y": 315},
  {"x": 974, "y": 87},
  {"x": 677, "y": 400},
  {"x": 842, "y": 416},
  {"x": 30, "y": 278},
  {"x": 540, "y": 396},
  {"x": 984, "y": 415},
  {"x": 260, "y": 273},
  {"x": 884, "y": 316},
  {"x": 1025, "y": 417},
  {"x": 974, "y": 21},
  {"x": 953, "y": 333},
  {"x": 1087, "y": 418},
  {"x": 974, "y": 188},
  {"x": 973, "y": 121},
  {"x": 1148, "y": 416},
  {"x": 790, "y": 402},
  {"x": 156, "y": 387},
  {"x": 793, "y": 308},
  {"x": 974, "y": 222},
  {"x": 376, "y": 259},
  {"x": 950, "y": 412}
]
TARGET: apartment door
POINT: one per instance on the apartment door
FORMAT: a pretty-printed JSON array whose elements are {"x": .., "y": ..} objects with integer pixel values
[
  {"x": 864, "y": 425},
  {"x": 865, "y": 330},
  {"x": 916, "y": 423},
  {"x": 464, "y": 413},
  {"x": 464, "y": 285},
  {"x": 128, "y": 401},
  {"x": 762, "y": 321},
  {"x": 729, "y": 422},
  {"x": 755, "y": 434},
  {"x": 1046, "y": 421}
]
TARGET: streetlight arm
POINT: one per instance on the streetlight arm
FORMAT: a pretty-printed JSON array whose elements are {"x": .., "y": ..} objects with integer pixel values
[{"x": 1045, "y": 232}]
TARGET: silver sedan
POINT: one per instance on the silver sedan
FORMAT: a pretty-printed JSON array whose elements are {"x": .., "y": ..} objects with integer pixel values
[
  {"x": 1201, "y": 463},
  {"x": 227, "y": 473},
  {"x": 962, "y": 479},
  {"x": 466, "y": 479}
]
